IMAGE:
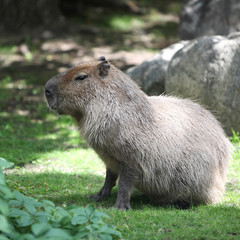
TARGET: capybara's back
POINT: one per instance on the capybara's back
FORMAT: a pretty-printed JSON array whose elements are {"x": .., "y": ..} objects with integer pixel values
[
  {"x": 171, "y": 149},
  {"x": 190, "y": 152}
]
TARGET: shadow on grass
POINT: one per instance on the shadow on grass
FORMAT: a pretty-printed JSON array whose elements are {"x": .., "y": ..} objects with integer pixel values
[
  {"x": 68, "y": 189},
  {"x": 31, "y": 72},
  {"x": 23, "y": 139},
  {"x": 144, "y": 220},
  {"x": 73, "y": 188},
  {"x": 27, "y": 127}
]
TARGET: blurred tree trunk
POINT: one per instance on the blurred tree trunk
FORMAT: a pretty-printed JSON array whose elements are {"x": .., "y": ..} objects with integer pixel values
[{"x": 20, "y": 15}]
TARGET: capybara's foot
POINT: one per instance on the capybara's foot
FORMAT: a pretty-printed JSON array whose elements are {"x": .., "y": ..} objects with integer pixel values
[
  {"x": 122, "y": 205},
  {"x": 96, "y": 197}
]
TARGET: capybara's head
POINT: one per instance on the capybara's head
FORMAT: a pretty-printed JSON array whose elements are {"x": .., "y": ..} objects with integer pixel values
[{"x": 69, "y": 92}]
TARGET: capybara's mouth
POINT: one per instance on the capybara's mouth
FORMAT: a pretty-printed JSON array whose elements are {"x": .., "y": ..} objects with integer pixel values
[
  {"x": 55, "y": 109},
  {"x": 52, "y": 106}
]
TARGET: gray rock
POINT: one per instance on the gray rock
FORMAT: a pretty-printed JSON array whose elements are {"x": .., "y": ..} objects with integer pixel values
[
  {"x": 209, "y": 17},
  {"x": 208, "y": 70},
  {"x": 150, "y": 75}
]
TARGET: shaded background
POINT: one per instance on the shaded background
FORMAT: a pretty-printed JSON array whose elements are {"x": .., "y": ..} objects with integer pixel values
[
  {"x": 41, "y": 38},
  {"x": 86, "y": 29}
]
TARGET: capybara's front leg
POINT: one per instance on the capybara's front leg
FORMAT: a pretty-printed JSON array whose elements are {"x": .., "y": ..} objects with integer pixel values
[
  {"x": 125, "y": 186},
  {"x": 110, "y": 182}
]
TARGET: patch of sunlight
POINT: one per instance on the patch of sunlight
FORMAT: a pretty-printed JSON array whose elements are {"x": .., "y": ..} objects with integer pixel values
[
  {"x": 71, "y": 161},
  {"x": 7, "y": 83},
  {"x": 4, "y": 114},
  {"x": 7, "y": 49},
  {"x": 126, "y": 22}
]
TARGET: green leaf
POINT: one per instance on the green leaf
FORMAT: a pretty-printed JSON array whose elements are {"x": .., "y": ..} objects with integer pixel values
[
  {"x": 49, "y": 209},
  {"x": 5, "y": 164},
  {"x": 2, "y": 178},
  {"x": 3, "y": 237},
  {"x": 59, "y": 214},
  {"x": 101, "y": 214},
  {"x": 62, "y": 212},
  {"x": 26, "y": 236},
  {"x": 42, "y": 216},
  {"x": 14, "y": 203},
  {"x": 95, "y": 219},
  {"x": 19, "y": 196},
  {"x": 107, "y": 229},
  {"x": 79, "y": 220},
  {"x": 39, "y": 229},
  {"x": 78, "y": 211},
  {"x": 105, "y": 237},
  {"x": 58, "y": 234},
  {"x": 47, "y": 202},
  {"x": 26, "y": 221},
  {"x": 32, "y": 201},
  {"x": 89, "y": 210},
  {"x": 30, "y": 208},
  {"x": 18, "y": 213},
  {"x": 5, "y": 192},
  {"x": 81, "y": 234},
  {"x": 65, "y": 220},
  {"x": 4, "y": 226},
  {"x": 4, "y": 207}
]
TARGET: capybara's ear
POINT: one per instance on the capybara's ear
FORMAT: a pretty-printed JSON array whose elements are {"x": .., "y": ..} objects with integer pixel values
[
  {"x": 103, "y": 68},
  {"x": 102, "y": 58}
]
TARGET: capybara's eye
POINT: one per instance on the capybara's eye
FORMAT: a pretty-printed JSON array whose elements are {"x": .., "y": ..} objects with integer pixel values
[{"x": 81, "y": 77}]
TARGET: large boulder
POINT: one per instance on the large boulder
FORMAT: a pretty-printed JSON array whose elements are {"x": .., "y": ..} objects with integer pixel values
[
  {"x": 208, "y": 70},
  {"x": 150, "y": 75},
  {"x": 209, "y": 17}
]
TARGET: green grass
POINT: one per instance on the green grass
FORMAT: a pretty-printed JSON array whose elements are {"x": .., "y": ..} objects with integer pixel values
[
  {"x": 6, "y": 49},
  {"x": 53, "y": 162}
]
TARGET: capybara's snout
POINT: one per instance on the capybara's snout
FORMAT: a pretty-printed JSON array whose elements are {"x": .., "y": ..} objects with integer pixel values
[{"x": 50, "y": 93}]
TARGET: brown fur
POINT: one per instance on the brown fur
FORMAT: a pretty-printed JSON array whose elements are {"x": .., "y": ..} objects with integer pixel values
[{"x": 171, "y": 149}]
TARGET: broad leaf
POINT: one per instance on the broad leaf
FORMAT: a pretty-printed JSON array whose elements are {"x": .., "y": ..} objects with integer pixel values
[
  {"x": 18, "y": 213},
  {"x": 33, "y": 202},
  {"x": 19, "y": 196},
  {"x": 78, "y": 211},
  {"x": 4, "y": 207},
  {"x": 30, "y": 208},
  {"x": 65, "y": 220},
  {"x": 47, "y": 202},
  {"x": 4, "y": 226},
  {"x": 3, "y": 237},
  {"x": 101, "y": 214},
  {"x": 5, "y": 192},
  {"x": 58, "y": 234},
  {"x": 95, "y": 219},
  {"x": 26, "y": 236},
  {"x": 79, "y": 220},
  {"x": 26, "y": 221},
  {"x": 81, "y": 234},
  {"x": 39, "y": 229},
  {"x": 105, "y": 237},
  {"x": 89, "y": 210},
  {"x": 109, "y": 230},
  {"x": 14, "y": 203},
  {"x": 2, "y": 178},
  {"x": 5, "y": 164},
  {"x": 42, "y": 216}
]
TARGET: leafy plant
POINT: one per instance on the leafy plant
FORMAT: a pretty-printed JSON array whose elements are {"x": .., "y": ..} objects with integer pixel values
[
  {"x": 235, "y": 137},
  {"x": 25, "y": 218}
]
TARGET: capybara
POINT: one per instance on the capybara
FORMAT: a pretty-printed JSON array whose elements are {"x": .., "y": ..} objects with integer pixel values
[{"x": 170, "y": 149}]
